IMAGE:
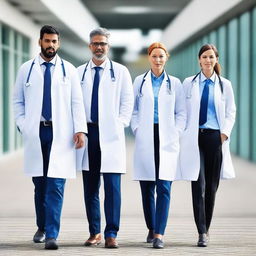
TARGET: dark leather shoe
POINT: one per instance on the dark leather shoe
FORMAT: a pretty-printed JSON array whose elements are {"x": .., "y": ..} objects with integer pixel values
[
  {"x": 111, "y": 242},
  {"x": 39, "y": 236},
  {"x": 158, "y": 243},
  {"x": 150, "y": 236},
  {"x": 202, "y": 240},
  {"x": 51, "y": 244},
  {"x": 93, "y": 240}
]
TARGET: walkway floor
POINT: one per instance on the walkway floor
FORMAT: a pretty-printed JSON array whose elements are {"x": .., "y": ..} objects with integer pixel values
[{"x": 233, "y": 230}]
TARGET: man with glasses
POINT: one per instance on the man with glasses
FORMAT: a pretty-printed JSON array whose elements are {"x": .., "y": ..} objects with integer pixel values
[{"x": 108, "y": 99}]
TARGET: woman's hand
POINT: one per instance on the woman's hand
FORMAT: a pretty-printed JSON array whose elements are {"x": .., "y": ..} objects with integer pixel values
[{"x": 223, "y": 137}]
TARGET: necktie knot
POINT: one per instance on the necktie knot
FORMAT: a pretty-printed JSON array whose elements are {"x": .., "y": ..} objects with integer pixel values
[
  {"x": 207, "y": 81},
  {"x": 97, "y": 69},
  {"x": 47, "y": 64}
]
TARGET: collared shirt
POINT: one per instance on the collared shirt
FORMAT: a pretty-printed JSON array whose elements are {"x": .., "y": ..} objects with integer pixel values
[
  {"x": 156, "y": 84},
  {"x": 43, "y": 68},
  {"x": 212, "y": 121},
  {"x": 102, "y": 65}
]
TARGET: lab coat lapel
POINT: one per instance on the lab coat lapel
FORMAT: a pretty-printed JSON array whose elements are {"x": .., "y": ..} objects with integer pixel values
[
  {"x": 217, "y": 99},
  {"x": 57, "y": 72},
  {"x": 147, "y": 87},
  {"x": 37, "y": 68}
]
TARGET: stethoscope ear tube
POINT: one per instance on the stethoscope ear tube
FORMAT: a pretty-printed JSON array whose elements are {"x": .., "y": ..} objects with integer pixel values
[
  {"x": 112, "y": 74},
  {"x": 194, "y": 80},
  {"x": 27, "y": 84}
]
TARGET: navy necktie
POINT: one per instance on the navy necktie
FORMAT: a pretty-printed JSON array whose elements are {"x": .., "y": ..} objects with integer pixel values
[
  {"x": 94, "y": 104},
  {"x": 47, "y": 104},
  {"x": 204, "y": 103}
]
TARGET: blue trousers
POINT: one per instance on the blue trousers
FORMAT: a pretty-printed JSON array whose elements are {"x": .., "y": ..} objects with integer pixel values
[
  {"x": 48, "y": 193},
  {"x": 156, "y": 211},
  {"x": 112, "y": 189}
]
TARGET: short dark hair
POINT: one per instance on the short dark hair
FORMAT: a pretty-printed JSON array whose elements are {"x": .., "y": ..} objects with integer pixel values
[{"x": 48, "y": 29}]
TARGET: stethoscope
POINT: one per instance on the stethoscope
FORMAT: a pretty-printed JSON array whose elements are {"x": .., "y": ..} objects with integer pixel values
[
  {"x": 168, "y": 81},
  {"x": 112, "y": 74},
  {"x": 189, "y": 94},
  {"x": 140, "y": 94},
  {"x": 28, "y": 83}
]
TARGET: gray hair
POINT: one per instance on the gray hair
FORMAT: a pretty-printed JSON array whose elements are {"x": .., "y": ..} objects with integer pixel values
[{"x": 99, "y": 31}]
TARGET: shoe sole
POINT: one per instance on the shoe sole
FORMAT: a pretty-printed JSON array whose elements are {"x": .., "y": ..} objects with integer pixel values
[
  {"x": 91, "y": 244},
  {"x": 39, "y": 241},
  {"x": 201, "y": 245}
]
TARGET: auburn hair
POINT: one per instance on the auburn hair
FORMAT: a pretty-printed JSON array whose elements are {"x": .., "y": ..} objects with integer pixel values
[{"x": 157, "y": 45}]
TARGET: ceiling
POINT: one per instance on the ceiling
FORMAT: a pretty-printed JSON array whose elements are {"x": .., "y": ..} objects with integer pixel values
[
  {"x": 144, "y": 15},
  {"x": 112, "y": 14},
  {"x": 128, "y": 14}
]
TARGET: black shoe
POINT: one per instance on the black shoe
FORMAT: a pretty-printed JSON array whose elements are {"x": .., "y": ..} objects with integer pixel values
[
  {"x": 150, "y": 236},
  {"x": 158, "y": 243},
  {"x": 202, "y": 240},
  {"x": 39, "y": 236},
  {"x": 51, "y": 244}
]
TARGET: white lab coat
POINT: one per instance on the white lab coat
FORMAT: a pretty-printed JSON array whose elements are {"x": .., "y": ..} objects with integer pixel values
[
  {"x": 68, "y": 117},
  {"x": 115, "y": 99},
  {"x": 225, "y": 110},
  {"x": 172, "y": 120}
]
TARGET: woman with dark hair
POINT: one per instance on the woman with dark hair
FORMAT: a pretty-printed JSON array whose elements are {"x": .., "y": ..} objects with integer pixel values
[
  {"x": 158, "y": 119},
  {"x": 205, "y": 155}
]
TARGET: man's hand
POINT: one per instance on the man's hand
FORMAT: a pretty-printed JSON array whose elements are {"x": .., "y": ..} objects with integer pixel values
[{"x": 79, "y": 139}]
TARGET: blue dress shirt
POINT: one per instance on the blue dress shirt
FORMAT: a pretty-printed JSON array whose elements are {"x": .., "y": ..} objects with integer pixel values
[
  {"x": 212, "y": 122},
  {"x": 156, "y": 84}
]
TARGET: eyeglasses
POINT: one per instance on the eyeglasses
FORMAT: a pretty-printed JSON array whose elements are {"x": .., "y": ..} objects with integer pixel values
[{"x": 96, "y": 44}]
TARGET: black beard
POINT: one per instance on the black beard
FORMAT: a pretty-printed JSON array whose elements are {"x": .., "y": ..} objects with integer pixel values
[{"x": 46, "y": 54}]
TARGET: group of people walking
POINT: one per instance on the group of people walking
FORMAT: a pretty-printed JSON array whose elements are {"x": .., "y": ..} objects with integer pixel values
[{"x": 74, "y": 120}]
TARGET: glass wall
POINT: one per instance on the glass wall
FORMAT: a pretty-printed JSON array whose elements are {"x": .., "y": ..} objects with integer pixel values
[
  {"x": 236, "y": 42},
  {"x": 14, "y": 50}
]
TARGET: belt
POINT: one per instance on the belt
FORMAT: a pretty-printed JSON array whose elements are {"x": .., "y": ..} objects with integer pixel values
[
  {"x": 204, "y": 130},
  {"x": 46, "y": 123},
  {"x": 92, "y": 124}
]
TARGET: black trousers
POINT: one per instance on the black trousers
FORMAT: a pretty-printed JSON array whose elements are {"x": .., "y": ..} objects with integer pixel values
[{"x": 205, "y": 188}]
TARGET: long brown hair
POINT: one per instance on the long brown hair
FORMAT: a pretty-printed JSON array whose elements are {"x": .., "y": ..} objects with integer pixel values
[{"x": 206, "y": 47}]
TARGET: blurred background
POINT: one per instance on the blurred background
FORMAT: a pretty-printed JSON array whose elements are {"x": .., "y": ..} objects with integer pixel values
[{"x": 182, "y": 25}]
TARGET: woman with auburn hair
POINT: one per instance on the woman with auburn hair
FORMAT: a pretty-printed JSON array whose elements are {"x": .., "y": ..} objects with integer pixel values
[
  {"x": 205, "y": 155},
  {"x": 158, "y": 119}
]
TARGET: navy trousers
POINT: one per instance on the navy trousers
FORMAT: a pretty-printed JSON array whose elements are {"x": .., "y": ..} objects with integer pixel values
[
  {"x": 156, "y": 211},
  {"x": 112, "y": 189},
  {"x": 205, "y": 188},
  {"x": 49, "y": 192}
]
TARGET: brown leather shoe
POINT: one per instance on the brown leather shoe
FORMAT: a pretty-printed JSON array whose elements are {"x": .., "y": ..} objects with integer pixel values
[
  {"x": 93, "y": 240},
  {"x": 111, "y": 242}
]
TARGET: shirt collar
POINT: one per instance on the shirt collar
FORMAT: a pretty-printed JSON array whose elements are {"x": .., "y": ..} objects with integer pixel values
[
  {"x": 204, "y": 78},
  {"x": 42, "y": 61},
  {"x": 153, "y": 77},
  {"x": 102, "y": 65}
]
